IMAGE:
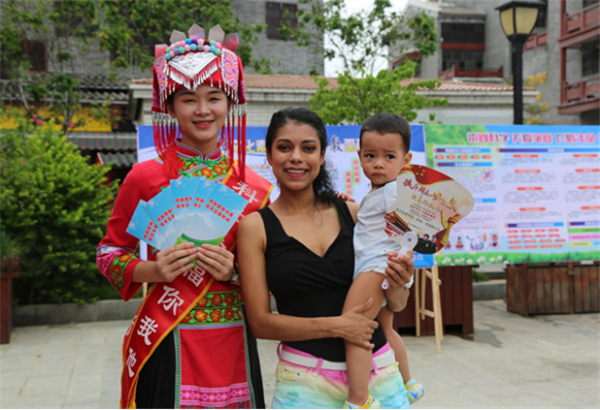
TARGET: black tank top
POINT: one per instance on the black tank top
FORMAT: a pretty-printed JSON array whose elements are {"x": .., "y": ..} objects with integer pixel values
[{"x": 305, "y": 284}]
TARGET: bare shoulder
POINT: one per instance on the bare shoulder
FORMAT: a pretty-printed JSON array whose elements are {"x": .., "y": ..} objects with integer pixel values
[
  {"x": 353, "y": 207},
  {"x": 251, "y": 242},
  {"x": 252, "y": 225}
]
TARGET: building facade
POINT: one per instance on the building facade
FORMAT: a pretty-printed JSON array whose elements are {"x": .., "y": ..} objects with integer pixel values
[
  {"x": 100, "y": 82},
  {"x": 286, "y": 56},
  {"x": 468, "y": 103},
  {"x": 560, "y": 58}
]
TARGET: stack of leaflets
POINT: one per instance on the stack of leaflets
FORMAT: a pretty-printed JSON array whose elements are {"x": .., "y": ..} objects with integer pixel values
[{"x": 188, "y": 210}]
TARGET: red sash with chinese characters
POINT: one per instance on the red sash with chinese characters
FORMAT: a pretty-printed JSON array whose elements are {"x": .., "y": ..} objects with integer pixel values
[{"x": 169, "y": 303}]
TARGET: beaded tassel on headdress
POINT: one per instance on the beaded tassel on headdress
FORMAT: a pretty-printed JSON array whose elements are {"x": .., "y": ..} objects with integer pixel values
[{"x": 190, "y": 62}]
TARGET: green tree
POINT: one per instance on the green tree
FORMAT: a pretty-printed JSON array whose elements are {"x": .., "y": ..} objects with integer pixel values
[
  {"x": 65, "y": 28},
  {"x": 360, "y": 38},
  {"x": 356, "y": 99},
  {"x": 127, "y": 29},
  {"x": 131, "y": 29},
  {"x": 55, "y": 207}
]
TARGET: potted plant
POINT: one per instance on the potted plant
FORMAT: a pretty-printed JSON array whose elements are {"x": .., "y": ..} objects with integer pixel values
[{"x": 9, "y": 269}]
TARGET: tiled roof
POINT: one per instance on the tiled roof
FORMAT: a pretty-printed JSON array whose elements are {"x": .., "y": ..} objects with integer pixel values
[
  {"x": 92, "y": 88},
  {"x": 96, "y": 89},
  {"x": 273, "y": 81},
  {"x": 305, "y": 82},
  {"x": 120, "y": 160},
  {"x": 464, "y": 86},
  {"x": 104, "y": 140},
  {"x": 102, "y": 81},
  {"x": 295, "y": 82}
]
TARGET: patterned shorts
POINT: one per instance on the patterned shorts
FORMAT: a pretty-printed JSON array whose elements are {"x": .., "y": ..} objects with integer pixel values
[{"x": 301, "y": 387}]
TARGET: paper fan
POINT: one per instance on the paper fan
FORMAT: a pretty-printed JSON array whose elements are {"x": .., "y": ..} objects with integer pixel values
[
  {"x": 189, "y": 210},
  {"x": 428, "y": 203}
]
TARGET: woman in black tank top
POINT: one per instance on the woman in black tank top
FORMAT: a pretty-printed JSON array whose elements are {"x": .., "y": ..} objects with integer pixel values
[{"x": 300, "y": 249}]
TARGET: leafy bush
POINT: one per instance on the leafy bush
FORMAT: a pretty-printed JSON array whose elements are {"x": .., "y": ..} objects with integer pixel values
[
  {"x": 55, "y": 206},
  {"x": 479, "y": 276}
]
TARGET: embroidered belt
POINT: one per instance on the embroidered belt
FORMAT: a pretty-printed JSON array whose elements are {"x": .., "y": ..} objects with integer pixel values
[{"x": 216, "y": 308}]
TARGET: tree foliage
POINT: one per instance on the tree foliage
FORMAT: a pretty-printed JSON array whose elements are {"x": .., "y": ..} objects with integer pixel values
[
  {"x": 356, "y": 99},
  {"x": 360, "y": 38},
  {"x": 536, "y": 110},
  {"x": 71, "y": 30},
  {"x": 64, "y": 28},
  {"x": 130, "y": 29},
  {"x": 55, "y": 207}
]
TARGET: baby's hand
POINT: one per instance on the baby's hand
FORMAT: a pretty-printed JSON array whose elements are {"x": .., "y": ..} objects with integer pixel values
[{"x": 344, "y": 196}]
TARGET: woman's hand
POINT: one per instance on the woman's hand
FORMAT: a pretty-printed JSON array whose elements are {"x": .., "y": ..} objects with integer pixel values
[
  {"x": 398, "y": 272},
  {"x": 355, "y": 328},
  {"x": 216, "y": 260},
  {"x": 174, "y": 261}
]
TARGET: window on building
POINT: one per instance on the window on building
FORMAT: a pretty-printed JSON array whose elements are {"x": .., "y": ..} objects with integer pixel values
[
  {"x": 120, "y": 119},
  {"x": 112, "y": 56},
  {"x": 588, "y": 3},
  {"x": 589, "y": 60},
  {"x": 463, "y": 59},
  {"x": 463, "y": 33},
  {"x": 418, "y": 69},
  {"x": 71, "y": 21},
  {"x": 542, "y": 16},
  {"x": 36, "y": 54},
  {"x": 280, "y": 15}
]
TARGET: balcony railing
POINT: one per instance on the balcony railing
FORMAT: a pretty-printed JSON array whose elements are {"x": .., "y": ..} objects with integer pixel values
[
  {"x": 581, "y": 21},
  {"x": 580, "y": 96},
  {"x": 536, "y": 40},
  {"x": 469, "y": 72}
]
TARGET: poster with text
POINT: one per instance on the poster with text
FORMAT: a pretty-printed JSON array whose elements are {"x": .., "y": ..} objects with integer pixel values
[
  {"x": 341, "y": 160},
  {"x": 536, "y": 190}
]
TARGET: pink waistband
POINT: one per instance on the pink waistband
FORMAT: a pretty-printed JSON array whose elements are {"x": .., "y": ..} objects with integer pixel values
[{"x": 287, "y": 348}]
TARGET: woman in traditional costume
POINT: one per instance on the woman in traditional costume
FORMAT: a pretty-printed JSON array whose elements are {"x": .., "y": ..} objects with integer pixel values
[{"x": 188, "y": 345}]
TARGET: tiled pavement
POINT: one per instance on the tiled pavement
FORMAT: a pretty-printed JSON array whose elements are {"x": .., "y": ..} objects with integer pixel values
[{"x": 546, "y": 361}]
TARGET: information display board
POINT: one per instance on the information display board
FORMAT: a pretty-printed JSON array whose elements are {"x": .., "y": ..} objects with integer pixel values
[
  {"x": 536, "y": 189},
  {"x": 341, "y": 160}
]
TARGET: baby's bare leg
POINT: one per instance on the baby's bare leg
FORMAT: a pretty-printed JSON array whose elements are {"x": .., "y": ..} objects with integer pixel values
[
  {"x": 386, "y": 320},
  {"x": 366, "y": 285}
]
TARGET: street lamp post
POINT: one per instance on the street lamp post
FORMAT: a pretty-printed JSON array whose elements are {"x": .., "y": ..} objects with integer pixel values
[{"x": 518, "y": 19}]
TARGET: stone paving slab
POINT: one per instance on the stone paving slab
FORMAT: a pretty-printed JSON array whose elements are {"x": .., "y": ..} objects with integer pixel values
[{"x": 546, "y": 361}]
